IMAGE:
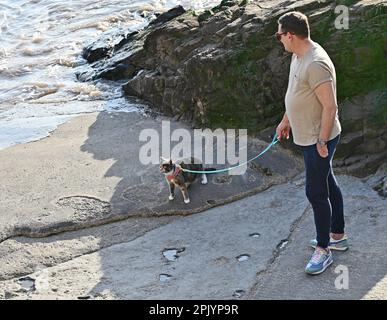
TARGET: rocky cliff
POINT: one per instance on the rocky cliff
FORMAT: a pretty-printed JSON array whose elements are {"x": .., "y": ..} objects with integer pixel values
[{"x": 223, "y": 68}]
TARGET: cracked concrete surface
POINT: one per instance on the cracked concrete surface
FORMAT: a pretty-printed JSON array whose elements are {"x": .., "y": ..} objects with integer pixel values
[
  {"x": 366, "y": 220},
  {"x": 114, "y": 249},
  {"x": 88, "y": 173},
  {"x": 208, "y": 245},
  {"x": 207, "y": 268}
]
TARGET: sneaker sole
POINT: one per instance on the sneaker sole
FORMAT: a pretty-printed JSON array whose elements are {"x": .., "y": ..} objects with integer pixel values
[
  {"x": 321, "y": 271},
  {"x": 333, "y": 248}
]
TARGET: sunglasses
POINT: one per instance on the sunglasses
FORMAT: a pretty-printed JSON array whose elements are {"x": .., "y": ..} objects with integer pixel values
[{"x": 279, "y": 35}]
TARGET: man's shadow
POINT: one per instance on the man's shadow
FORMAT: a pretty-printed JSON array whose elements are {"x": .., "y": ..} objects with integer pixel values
[{"x": 142, "y": 191}]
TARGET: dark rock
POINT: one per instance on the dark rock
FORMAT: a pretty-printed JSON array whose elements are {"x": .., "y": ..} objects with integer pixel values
[
  {"x": 95, "y": 52},
  {"x": 169, "y": 15},
  {"x": 108, "y": 43},
  {"x": 119, "y": 71},
  {"x": 225, "y": 69},
  {"x": 205, "y": 15}
]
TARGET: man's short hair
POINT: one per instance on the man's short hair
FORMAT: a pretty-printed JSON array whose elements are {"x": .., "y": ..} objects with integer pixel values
[{"x": 295, "y": 22}]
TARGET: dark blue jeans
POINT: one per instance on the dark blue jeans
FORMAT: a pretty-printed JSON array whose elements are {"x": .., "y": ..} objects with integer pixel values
[{"x": 323, "y": 192}]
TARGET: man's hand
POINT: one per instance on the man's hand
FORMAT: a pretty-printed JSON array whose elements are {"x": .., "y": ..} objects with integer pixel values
[
  {"x": 283, "y": 130},
  {"x": 322, "y": 150}
]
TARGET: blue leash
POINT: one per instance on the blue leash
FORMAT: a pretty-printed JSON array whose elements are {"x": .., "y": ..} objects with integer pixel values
[{"x": 275, "y": 140}]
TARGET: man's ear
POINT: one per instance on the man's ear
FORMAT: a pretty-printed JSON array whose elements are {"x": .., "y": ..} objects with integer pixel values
[{"x": 292, "y": 36}]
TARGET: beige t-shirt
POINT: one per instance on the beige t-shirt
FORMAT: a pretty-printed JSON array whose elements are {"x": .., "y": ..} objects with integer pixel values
[{"x": 303, "y": 108}]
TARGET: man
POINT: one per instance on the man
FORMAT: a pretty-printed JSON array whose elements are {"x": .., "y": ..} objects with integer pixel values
[{"x": 311, "y": 114}]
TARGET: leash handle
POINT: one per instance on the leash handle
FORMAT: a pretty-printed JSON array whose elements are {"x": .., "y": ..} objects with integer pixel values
[{"x": 274, "y": 141}]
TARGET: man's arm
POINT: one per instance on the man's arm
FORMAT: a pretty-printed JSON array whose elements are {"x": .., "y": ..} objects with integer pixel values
[
  {"x": 326, "y": 96},
  {"x": 285, "y": 118}
]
